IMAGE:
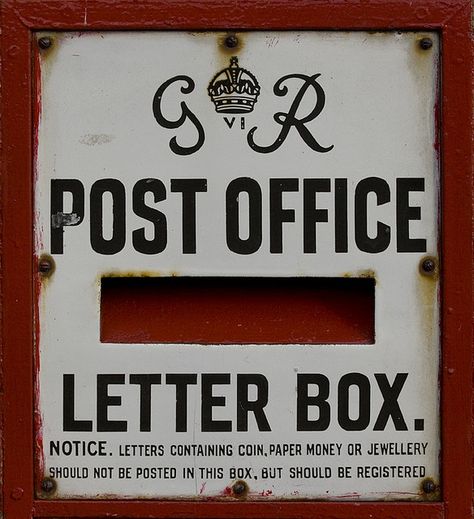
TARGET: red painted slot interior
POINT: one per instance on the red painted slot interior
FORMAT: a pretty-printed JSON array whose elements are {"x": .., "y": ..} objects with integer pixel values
[{"x": 227, "y": 310}]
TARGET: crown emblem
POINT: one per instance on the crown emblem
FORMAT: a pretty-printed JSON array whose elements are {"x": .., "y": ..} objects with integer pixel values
[{"x": 234, "y": 90}]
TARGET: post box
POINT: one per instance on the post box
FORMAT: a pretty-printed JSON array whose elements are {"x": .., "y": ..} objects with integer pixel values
[{"x": 236, "y": 259}]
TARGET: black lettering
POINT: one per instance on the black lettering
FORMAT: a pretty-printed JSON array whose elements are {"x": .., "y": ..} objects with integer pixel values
[
  {"x": 340, "y": 211},
  {"x": 117, "y": 242},
  {"x": 69, "y": 421},
  {"x": 252, "y": 243},
  {"x": 278, "y": 215},
  {"x": 60, "y": 219},
  {"x": 406, "y": 212},
  {"x": 311, "y": 214},
  {"x": 145, "y": 381},
  {"x": 181, "y": 381},
  {"x": 139, "y": 240},
  {"x": 390, "y": 407},
  {"x": 290, "y": 119},
  {"x": 208, "y": 381},
  {"x": 189, "y": 187},
  {"x": 104, "y": 401},
  {"x": 304, "y": 401},
  {"x": 363, "y": 384},
  {"x": 230, "y": 122},
  {"x": 185, "y": 114},
  {"x": 382, "y": 191},
  {"x": 245, "y": 406}
]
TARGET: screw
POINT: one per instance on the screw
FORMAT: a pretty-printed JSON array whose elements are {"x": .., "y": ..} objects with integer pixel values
[
  {"x": 428, "y": 266},
  {"x": 426, "y": 43},
  {"x": 239, "y": 488},
  {"x": 231, "y": 41},
  {"x": 45, "y": 42},
  {"x": 45, "y": 266},
  {"x": 48, "y": 485},
  {"x": 428, "y": 486}
]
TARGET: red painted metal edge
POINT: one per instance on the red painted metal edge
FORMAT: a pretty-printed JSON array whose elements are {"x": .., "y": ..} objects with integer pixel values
[
  {"x": 20, "y": 18},
  {"x": 235, "y": 510},
  {"x": 17, "y": 307},
  {"x": 457, "y": 311},
  {"x": 227, "y": 14}
]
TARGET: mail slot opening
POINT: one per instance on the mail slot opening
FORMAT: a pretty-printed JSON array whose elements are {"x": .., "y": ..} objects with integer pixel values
[{"x": 236, "y": 310}]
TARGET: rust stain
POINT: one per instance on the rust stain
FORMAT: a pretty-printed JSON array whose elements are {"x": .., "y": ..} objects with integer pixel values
[
  {"x": 376, "y": 34},
  {"x": 47, "y": 488},
  {"x": 263, "y": 496},
  {"x": 420, "y": 61},
  {"x": 223, "y": 53},
  {"x": 240, "y": 489},
  {"x": 431, "y": 496},
  {"x": 365, "y": 273},
  {"x": 46, "y": 259},
  {"x": 349, "y": 495},
  {"x": 428, "y": 294},
  {"x": 132, "y": 274},
  {"x": 42, "y": 280},
  {"x": 137, "y": 274},
  {"x": 225, "y": 49},
  {"x": 431, "y": 274},
  {"x": 49, "y": 53},
  {"x": 419, "y": 50}
]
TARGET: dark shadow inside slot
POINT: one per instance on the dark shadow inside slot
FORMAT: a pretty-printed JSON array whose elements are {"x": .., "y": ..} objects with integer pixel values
[{"x": 237, "y": 310}]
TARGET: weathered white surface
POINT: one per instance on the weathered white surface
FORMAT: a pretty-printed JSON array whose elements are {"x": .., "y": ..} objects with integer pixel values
[{"x": 97, "y": 122}]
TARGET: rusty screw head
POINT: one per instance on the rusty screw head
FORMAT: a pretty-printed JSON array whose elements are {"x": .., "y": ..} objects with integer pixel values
[
  {"x": 48, "y": 485},
  {"x": 45, "y": 266},
  {"x": 240, "y": 488},
  {"x": 428, "y": 486},
  {"x": 426, "y": 43},
  {"x": 231, "y": 41},
  {"x": 428, "y": 266},
  {"x": 45, "y": 42}
]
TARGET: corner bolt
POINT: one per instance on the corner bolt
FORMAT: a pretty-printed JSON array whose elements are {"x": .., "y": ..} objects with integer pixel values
[
  {"x": 426, "y": 43},
  {"x": 428, "y": 486},
  {"x": 45, "y": 42},
  {"x": 48, "y": 485}
]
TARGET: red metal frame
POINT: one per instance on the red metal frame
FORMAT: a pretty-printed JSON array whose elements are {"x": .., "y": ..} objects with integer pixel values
[{"x": 20, "y": 18}]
